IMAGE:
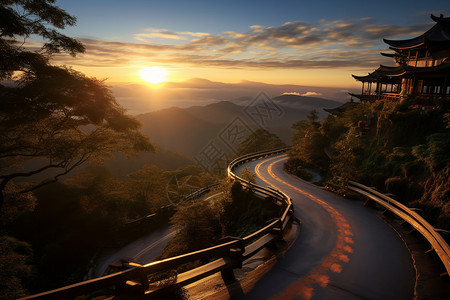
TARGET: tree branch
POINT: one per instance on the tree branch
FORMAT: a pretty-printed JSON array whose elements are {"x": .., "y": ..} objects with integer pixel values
[
  {"x": 55, "y": 178},
  {"x": 27, "y": 174}
]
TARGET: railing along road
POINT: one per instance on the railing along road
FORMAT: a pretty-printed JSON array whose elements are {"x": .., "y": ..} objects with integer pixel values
[
  {"x": 228, "y": 255},
  {"x": 436, "y": 241}
]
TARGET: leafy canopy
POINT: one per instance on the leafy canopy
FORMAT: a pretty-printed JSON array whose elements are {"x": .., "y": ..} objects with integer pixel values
[{"x": 52, "y": 117}]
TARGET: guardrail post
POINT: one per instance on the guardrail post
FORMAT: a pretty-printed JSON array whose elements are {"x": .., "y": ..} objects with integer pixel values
[
  {"x": 236, "y": 255},
  {"x": 131, "y": 287}
]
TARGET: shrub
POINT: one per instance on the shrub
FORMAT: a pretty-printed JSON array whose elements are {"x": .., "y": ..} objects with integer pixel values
[{"x": 397, "y": 186}]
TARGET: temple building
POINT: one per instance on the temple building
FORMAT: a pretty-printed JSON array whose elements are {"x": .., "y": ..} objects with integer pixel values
[{"x": 422, "y": 68}]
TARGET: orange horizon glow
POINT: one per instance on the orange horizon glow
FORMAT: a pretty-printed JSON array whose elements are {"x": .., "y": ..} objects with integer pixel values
[
  {"x": 154, "y": 75},
  {"x": 335, "y": 78}
]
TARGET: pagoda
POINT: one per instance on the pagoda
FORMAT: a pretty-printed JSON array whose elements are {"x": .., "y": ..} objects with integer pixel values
[{"x": 422, "y": 68}]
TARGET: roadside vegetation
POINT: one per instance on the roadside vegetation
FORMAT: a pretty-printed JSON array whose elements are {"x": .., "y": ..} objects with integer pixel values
[
  {"x": 73, "y": 219},
  {"x": 259, "y": 140},
  {"x": 399, "y": 148},
  {"x": 231, "y": 210},
  {"x": 59, "y": 205}
]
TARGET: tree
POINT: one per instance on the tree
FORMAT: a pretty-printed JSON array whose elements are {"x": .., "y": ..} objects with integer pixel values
[
  {"x": 344, "y": 162},
  {"x": 197, "y": 225},
  {"x": 308, "y": 142},
  {"x": 247, "y": 175},
  {"x": 14, "y": 267},
  {"x": 260, "y": 140},
  {"x": 52, "y": 117}
]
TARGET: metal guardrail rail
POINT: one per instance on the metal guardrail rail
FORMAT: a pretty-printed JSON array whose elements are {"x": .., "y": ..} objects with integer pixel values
[
  {"x": 436, "y": 241},
  {"x": 231, "y": 253}
]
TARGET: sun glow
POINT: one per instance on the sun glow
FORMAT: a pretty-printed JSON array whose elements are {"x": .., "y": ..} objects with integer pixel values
[{"x": 153, "y": 75}]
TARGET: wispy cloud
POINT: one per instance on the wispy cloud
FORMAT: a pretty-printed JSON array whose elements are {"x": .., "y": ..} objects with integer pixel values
[
  {"x": 151, "y": 33},
  {"x": 307, "y": 94},
  {"x": 324, "y": 44}
]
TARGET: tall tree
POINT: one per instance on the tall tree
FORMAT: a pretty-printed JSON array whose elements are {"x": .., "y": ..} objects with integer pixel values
[
  {"x": 52, "y": 116},
  {"x": 308, "y": 142},
  {"x": 259, "y": 140}
]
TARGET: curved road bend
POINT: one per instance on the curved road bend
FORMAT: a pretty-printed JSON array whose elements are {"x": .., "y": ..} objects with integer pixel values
[
  {"x": 344, "y": 251},
  {"x": 142, "y": 250}
]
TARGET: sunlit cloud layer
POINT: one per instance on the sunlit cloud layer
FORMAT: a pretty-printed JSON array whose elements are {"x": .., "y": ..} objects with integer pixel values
[{"x": 325, "y": 44}]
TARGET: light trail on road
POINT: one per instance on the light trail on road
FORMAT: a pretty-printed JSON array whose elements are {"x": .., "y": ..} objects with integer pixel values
[
  {"x": 304, "y": 287},
  {"x": 150, "y": 247},
  {"x": 344, "y": 250}
]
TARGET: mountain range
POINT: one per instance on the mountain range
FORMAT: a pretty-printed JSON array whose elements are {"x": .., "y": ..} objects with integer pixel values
[
  {"x": 188, "y": 130},
  {"x": 181, "y": 134}
]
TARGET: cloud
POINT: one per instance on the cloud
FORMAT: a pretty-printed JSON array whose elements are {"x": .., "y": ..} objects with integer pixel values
[
  {"x": 152, "y": 33},
  {"x": 352, "y": 43},
  {"x": 139, "y": 98},
  {"x": 311, "y": 94},
  {"x": 307, "y": 94}
]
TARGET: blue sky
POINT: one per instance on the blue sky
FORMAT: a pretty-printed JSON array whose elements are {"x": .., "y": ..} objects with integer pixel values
[
  {"x": 282, "y": 42},
  {"x": 102, "y": 18}
]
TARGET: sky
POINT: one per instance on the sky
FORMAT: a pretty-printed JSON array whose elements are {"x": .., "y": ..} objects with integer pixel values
[{"x": 306, "y": 43}]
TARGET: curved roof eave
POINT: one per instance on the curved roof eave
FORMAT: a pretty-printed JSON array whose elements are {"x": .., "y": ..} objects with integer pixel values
[
  {"x": 439, "y": 32},
  {"x": 388, "y": 54},
  {"x": 405, "y": 44}
]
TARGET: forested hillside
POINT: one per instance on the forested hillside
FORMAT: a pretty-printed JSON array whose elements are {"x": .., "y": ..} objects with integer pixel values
[{"x": 399, "y": 148}]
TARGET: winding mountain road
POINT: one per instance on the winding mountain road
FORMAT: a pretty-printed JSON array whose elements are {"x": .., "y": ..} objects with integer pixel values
[{"x": 344, "y": 250}]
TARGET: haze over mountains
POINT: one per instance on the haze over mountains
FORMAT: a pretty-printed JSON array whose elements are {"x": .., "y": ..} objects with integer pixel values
[
  {"x": 186, "y": 131},
  {"x": 141, "y": 98},
  {"x": 182, "y": 118},
  {"x": 181, "y": 134}
]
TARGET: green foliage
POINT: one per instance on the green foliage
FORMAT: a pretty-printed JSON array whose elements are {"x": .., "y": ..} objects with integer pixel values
[
  {"x": 246, "y": 212},
  {"x": 397, "y": 186},
  {"x": 16, "y": 204},
  {"x": 230, "y": 211},
  {"x": 48, "y": 112},
  {"x": 23, "y": 18},
  {"x": 185, "y": 181},
  {"x": 247, "y": 175},
  {"x": 259, "y": 140},
  {"x": 344, "y": 161},
  {"x": 447, "y": 120},
  {"x": 76, "y": 217},
  {"x": 296, "y": 166},
  {"x": 435, "y": 153},
  {"x": 308, "y": 143},
  {"x": 387, "y": 145},
  {"x": 197, "y": 224},
  {"x": 15, "y": 269},
  {"x": 332, "y": 128}
]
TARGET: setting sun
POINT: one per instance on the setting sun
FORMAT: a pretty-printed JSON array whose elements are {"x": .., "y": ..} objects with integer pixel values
[{"x": 153, "y": 74}]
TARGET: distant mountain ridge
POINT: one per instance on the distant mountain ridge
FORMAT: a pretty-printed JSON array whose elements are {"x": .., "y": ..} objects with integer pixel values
[
  {"x": 181, "y": 134},
  {"x": 189, "y": 130},
  {"x": 292, "y": 99}
]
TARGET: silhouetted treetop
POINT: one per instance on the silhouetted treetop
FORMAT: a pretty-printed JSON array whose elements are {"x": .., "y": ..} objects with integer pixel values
[
  {"x": 21, "y": 19},
  {"x": 259, "y": 140},
  {"x": 51, "y": 113}
]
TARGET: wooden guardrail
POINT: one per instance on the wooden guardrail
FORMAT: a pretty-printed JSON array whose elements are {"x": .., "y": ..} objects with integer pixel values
[
  {"x": 231, "y": 253},
  {"x": 192, "y": 196},
  {"x": 436, "y": 241}
]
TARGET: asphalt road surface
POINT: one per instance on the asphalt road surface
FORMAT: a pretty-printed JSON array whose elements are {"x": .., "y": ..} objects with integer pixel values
[
  {"x": 344, "y": 250},
  {"x": 143, "y": 250}
]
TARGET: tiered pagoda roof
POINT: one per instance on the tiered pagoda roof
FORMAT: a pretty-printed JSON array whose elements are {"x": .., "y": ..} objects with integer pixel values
[
  {"x": 437, "y": 38},
  {"x": 436, "y": 41},
  {"x": 390, "y": 72},
  {"x": 422, "y": 67},
  {"x": 381, "y": 72}
]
